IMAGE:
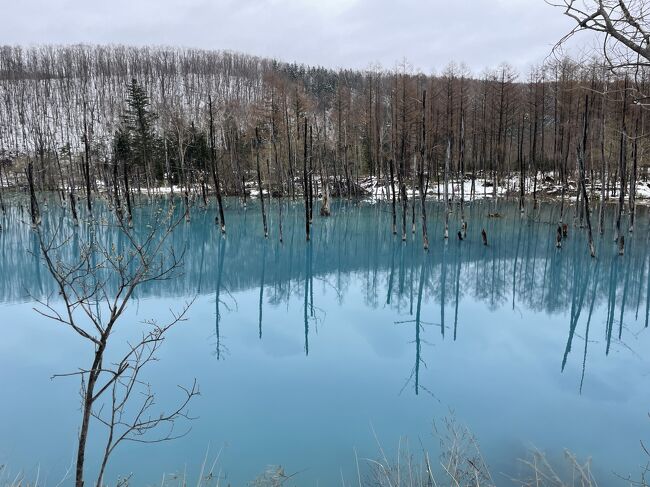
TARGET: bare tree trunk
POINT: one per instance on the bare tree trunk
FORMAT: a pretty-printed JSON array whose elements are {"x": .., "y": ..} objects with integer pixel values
[
  {"x": 73, "y": 208},
  {"x": 86, "y": 161},
  {"x": 116, "y": 190},
  {"x": 402, "y": 193},
  {"x": 522, "y": 171},
  {"x": 89, "y": 394},
  {"x": 423, "y": 187},
  {"x": 259, "y": 180},
  {"x": 215, "y": 170},
  {"x": 325, "y": 206},
  {"x": 393, "y": 196},
  {"x": 311, "y": 176},
  {"x": 290, "y": 158},
  {"x": 581, "y": 163},
  {"x": 168, "y": 169},
  {"x": 281, "y": 189},
  {"x": 33, "y": 202},
  {"x": 635, "y": 155},
  {"x": 622, "y": 169},
  {"x": 446, "y": 191},
  {"x": 127, "y": 192},
  {"x": 414, "y": 175},
  {"x": 603, "y": 177},
  {"x": 2, "y": 202},
  {"x": 305, "y": 189},
  {"x": 61, "y": 179},
  {"x": 204, "y": 195},
  {"x": 462, "y": 171}
]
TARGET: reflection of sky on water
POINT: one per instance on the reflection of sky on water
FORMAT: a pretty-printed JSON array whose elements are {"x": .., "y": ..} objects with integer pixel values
[{"x": 270, "y": 403}]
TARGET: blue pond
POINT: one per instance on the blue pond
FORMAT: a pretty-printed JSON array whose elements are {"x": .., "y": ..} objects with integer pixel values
[{"x": 306, "y": 353}]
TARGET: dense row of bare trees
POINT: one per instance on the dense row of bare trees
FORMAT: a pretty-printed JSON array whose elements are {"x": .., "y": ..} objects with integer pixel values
[{"x": 201, "y": 120}]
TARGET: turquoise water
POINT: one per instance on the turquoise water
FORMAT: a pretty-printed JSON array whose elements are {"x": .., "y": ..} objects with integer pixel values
[{"x": 305, "y": 351}]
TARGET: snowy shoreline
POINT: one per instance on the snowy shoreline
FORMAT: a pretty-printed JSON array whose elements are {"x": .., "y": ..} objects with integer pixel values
[{"x": 373, "y": 189}]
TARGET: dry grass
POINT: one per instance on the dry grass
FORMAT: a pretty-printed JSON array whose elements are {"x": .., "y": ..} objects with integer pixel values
[
  {"x": 459, "y": 464},
  {"x": 542, "y": 473}
]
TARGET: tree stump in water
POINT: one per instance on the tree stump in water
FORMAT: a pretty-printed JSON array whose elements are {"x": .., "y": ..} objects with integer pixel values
[{"x": 621, "y": 245}]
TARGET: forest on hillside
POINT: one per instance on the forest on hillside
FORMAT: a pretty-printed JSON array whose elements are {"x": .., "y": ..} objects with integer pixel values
[{"x": 206, "y": 120}]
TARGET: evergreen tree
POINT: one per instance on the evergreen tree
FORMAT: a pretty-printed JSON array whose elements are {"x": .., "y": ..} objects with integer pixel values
[
  {"x": 138, "y": 122},
  {"x": 122, "y": 146}
]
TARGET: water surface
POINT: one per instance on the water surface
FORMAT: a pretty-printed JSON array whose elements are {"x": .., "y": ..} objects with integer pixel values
[{"x": 303, "y": 349}]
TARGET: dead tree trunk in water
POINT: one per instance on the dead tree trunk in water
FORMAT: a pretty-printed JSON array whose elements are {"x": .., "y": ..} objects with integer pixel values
[
  {"x": 325, "y": 205},
  {"x": 33, "y": 202},
  {"x": 281, "y": 189},
  {"x": 401, "y": 174},
  {"x": 446, "y": 191},
  {"x": 414, "y": 176},
  {"x": 259, "y": 180},
  {"x": 72, "y": 185},
  {"x": 304, "y": 180},
  {"x": 404, "y": 198},
  {"x": 87, "y": 164},
  {"x": 392, "y": 192},
  {"x": 215, "y": 171},
  {"x": 127, "y": 192},
  {"x": 533, "y": 151},
  {"x": 204, "y": 194},
  {"x": 635, "y": 154},
  {"x": 311, "y": 176},
  {"x": 423, "y": 187},
  {"x": 116, "y": 190},
  {"x": 462, "y": 171},
  {"x": 522, "y": 170},
  {"x": 622, "y": 169},
  {"x": 73, "y": 208},
  {"x": 603, "y": 179},
  {"x": 402, "y": 192},
  {"x": 168, "y": 176},
  {"x": 2, "y": 203},
  {"x": 581, "y": 162}
]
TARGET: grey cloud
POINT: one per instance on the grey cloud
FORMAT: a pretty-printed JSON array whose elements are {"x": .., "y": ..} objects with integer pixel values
[{"x": 334, "y": 33}]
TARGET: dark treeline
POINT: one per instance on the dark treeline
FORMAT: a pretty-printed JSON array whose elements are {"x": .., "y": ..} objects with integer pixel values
[{"x": 127, "y": 119}]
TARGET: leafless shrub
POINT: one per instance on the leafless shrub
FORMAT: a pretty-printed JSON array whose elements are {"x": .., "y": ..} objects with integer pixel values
[{"x": 95, "y": 287}]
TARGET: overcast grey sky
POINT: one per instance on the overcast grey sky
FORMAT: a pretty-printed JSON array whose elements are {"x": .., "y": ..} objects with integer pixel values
[{"x": 333, "y": 33}]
